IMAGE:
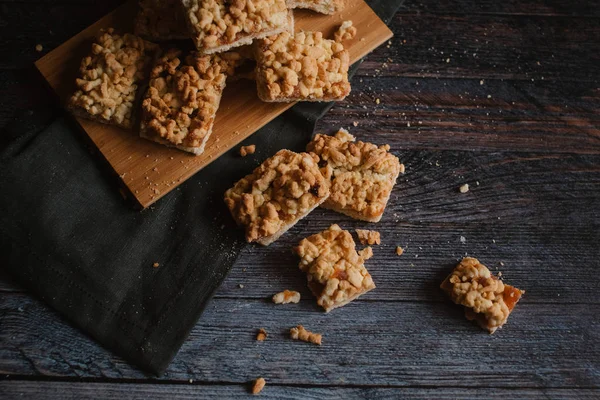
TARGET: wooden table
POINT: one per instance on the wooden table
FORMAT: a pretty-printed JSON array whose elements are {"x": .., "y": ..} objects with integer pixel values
[{"x": 503, "y": 96}]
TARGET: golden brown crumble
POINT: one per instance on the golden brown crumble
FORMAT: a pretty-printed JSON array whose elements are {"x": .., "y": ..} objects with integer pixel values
[
  {"x": 183, "y": 98},
  {"x": 464, "y": 188},
  {"x": 299, "y": 333},
  {"x": 368, "y": 237},
  {"x": 110, "y": 77},
  {"x": 217, "y": 25},
  {"x": 39, "y": 47},
  {"x": 278, "y": 193},
  {"x": 161, "y": 20},
  {"x": 285, "y": 297},
  {"x": 399, "y": 250},
  {"x": 304, "y": 66},
  {"x": 258, "y": 386},
  {"x": 485, "y": 297},
  {"x": 345, "y": 32},
  {"x": 245, "y": 150},
  {"x": 261, "y": 335},
  {"x": 362, "y": 174},
  {"x": 320, "y": 6},
  {"x": 335, "y": 270},
  {"x": 156, "y": 265}
]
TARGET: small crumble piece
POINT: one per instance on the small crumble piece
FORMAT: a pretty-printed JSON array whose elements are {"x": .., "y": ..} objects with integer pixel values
[
  {"x": 258, "y": 385},
  {"x": 156, "y": 265},
  {"x": 161, "y": 20},
  {"x": 299, "y": 333},
  {"x": 261, "y": 335},
  {"x": 345, "y": 32},
  {"x": 399, "y": 250},
  {"x": 245, "y": 150},
  {"x": 335, "y": 270},
  {"x": 362, "y": 174},
  {"x": 181, "y": 103},
  {"x": 301, "y": 67},
  {"x": 320, "y": 6},
  {"x": 110, "y": 77},
  {"x": 287, "y": 296},
  {"x": 464, "y": 188},
  {"x": 219, "y": 25},
  {"x": 278, "y": 193},
  {"x": 486, "y": 299},
  {"x": 368, "y": 237},
  {"x": 39, "y": 47}
]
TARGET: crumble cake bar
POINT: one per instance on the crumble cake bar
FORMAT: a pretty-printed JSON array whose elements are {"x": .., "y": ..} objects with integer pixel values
[
  {"x": 320, "y": 6},
  {"x": 278, "y": 193},
  {"x": 301, "y": 67},
  {"x": 362, "y": 174},
  {"x": 486, "y": 299},
  {"x": 183, "y": 97},
  {"x": 161, "y": 20},
  {"x": 110, "y": 78},
  {"x": 219, "y": 25},
  {"x": 335, "y": 270}
]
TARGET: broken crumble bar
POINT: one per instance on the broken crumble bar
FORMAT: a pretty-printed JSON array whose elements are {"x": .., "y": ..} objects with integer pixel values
[
  {"x": 320, "y": 6},
  {"x": 335, "y": 270},
  {"x": 278, "y": 193},
  {"x": 285, "y": 297},
  {"x": 161, "y": 20},
  {"x": 301, "y": 67},
  {"x": 110, "y": 77},
  {"x": 362, "y": 174},
  {"x": 299, "y": 333},
  {"x": 486, "y": 299},
  {"x": 368, "y": 237},
  {"x": 181, "y": 103},
  {"x": 219, "y": 25}
]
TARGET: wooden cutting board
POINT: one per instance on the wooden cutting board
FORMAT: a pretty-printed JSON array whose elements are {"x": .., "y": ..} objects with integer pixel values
[{"x": 149, "y": 170}]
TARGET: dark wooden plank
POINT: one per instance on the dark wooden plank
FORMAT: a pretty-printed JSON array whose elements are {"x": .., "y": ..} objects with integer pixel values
[
  {"x": 134, "y": 391},
  {"x": 384, "y": 343}
]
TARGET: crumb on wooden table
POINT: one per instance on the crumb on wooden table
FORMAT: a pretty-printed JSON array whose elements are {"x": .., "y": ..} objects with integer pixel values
[
  {"x": 368, "y": 237},
  {"x": 287, "y": 296},
  {"x": 299, "y": 333},
  {"x": 464, "y": 188},
  {"x": 261, "y": 335},
  {"x": 399, "y": 250},
  {"x": 258, "y": 386},
  {"x": 245, "y": 150}
]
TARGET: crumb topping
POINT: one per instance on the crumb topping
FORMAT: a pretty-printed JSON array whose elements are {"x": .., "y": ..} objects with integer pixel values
[
  {"x": 287, "y": 296},
  {"x": 345, "y": 32},
  {"x": 302, "y": 66},
  {"x": 246, "y": 150},
  {"x": 261, "y": 335},
  {"x": 472, "y": 285},
  {"x": 300, "y": 333},
  {"x": 258, "y": 386},
  {"x": 216, "y": 23},
  {"x": 278, "y": 192},
  {"x": 109, "y": 77},
  {"x": 335, "y": 270},
  {"x": 161, "y": 20},
  {"x": 362, "y": 174},
  {"x": 183, "y": 97},
  {"x": 368, "y": 237},
  {"x": 399, "y": 250}
]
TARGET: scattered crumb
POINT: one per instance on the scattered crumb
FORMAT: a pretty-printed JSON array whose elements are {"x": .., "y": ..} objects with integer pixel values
[
  {"x": 489, "y": 96},
  {"x": 481, "y": 82},
  {"x": 261, "y": 335},
  {"x": 377, "y": 101},
  {"x": 245, "y": 150},
  {"x": 345, "y": 32},
  {"x": 464, "y": 188},
  {"x": 156, "y": 265},
  {"x": 368, "y": 237},
  {"x": 463, "y": 239},
  {"x": 399, "y": 250},
  {"x": 299, "y": 333},
  {"x": 241, "y": 286},
  {"x": 285, "y": 297},
  {"x": 355, "y": 123},
  {"x": 259, "y": 384},
  {"x": 191, "y": 381},
  {"x": 39, "y": 47}
]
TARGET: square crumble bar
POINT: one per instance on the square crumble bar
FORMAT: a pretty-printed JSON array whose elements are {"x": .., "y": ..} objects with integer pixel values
[
  {"x": 301, "y": 67},
  {"x": 278, "y": 193},
  {"x": 335, "y": 270}
]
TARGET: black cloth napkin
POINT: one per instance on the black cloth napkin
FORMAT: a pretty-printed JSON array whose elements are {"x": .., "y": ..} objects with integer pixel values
[{"x": 68, "y": 236}]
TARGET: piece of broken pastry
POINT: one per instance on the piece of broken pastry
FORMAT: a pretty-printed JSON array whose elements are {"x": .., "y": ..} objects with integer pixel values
[
  {"x": 161, "y": 20},
  {"x": 276, "y": 195},
  {"x": 320, "y": 6},
  {"x": 301, "y": 67},
  {"x": 335, "y": 271},
  {"x": 486, "y": 299},
  {"x": 362, "y": 174},
  {"x": 184, "y": 93},
  {"x": 108, "y": 86},
  {"x": 219, "y": 25}
]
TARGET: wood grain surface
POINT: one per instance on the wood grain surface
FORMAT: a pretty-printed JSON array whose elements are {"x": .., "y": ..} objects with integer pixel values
[
  {"x": 528, "y": 147},
  {"x": 149, "y": 170}
]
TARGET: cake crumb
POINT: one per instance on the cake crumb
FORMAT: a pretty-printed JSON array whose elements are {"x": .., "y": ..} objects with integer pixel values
[
  {"x": 156, "y": 265},
  {"x": 258, "y": 386},
  {"x": 245, "y": 150},
  {"x": 377, "y": 101},
  {"x": 464, "y": 188},
  {"x": 368, "y": 237},
  {"x": 345, "y": 32},
  {"x": 463, "y": 239},
  {"x": 261, "y": 335},
  {"x": 287, "y": 296},
  {"x": 39, "y": 47},
  {"x": 299, "y": 333},
  {"x": 241, "y": 286},
  {"x": 355, "y": 123},
  {"x": 399, "y": 250}
]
